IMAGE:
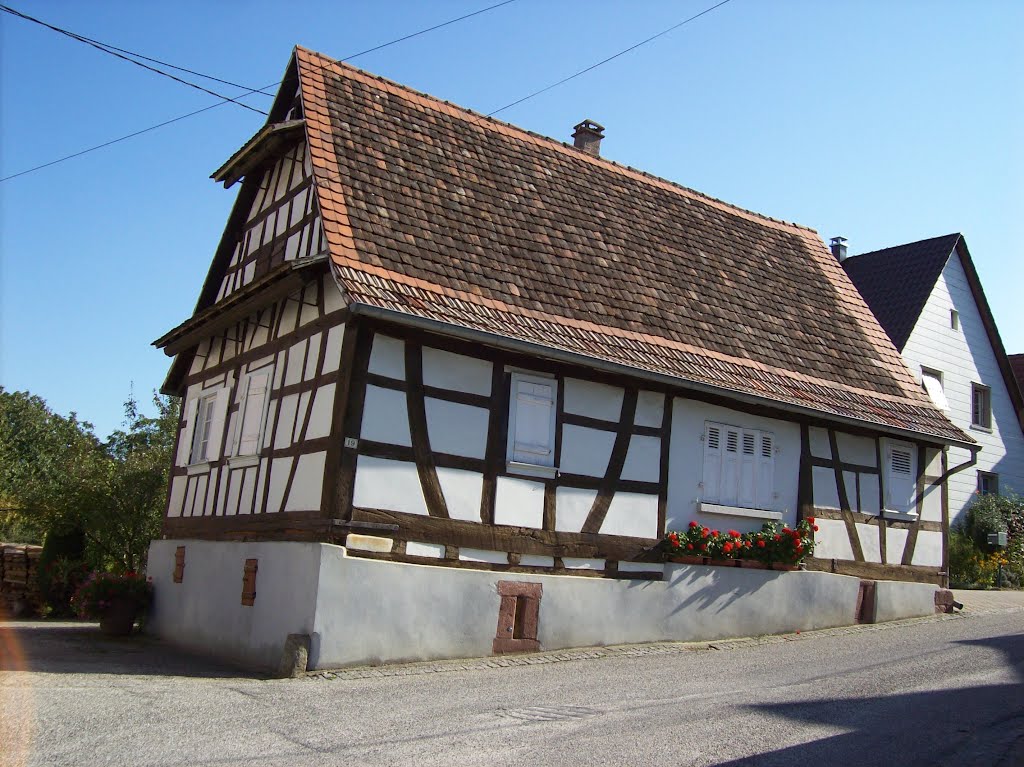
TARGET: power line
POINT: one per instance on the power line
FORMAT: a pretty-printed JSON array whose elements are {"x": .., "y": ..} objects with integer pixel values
[
  {"x": 120, "y": 55},
  {"x": 251, "y": 91},
  {"x": 623, "y": 52}
]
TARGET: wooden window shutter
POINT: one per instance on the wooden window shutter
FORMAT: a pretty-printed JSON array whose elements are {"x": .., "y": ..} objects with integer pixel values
[
  {"x": 253, "y": 409},
  {"x": 249, "y": 582},
  {"x": 747, "y": 487},
  {"x": 729, "y": 494},
  {"x": 534, "y": 437},
  {"x": 900, "y": 476},
  {"x": 185, "y": 446},
  {"x": 712, "y": 462},
  {"x": 766, "y": 471}
]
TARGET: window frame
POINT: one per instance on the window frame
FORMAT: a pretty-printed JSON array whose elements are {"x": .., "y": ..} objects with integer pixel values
[
  {"x": 205, "y": 413},
  {"x": 543, "y": 467},
  {"x": 983, "y": 394},
  {"x": 984, "y": 480}
]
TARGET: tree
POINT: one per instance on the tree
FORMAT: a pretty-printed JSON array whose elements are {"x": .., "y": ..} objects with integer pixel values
[{"x": 56, "y": 476}]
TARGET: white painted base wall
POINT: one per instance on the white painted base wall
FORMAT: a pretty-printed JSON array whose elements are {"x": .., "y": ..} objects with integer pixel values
[{"x": 364, "y": 611}]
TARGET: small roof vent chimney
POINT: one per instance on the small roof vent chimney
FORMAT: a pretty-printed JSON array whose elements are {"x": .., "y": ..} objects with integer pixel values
[
  {"x": 587, "y": 137},
  {"x": 839, "y": 248}
]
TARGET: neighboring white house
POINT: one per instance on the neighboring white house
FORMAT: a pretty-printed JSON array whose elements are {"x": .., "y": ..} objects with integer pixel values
[{"x": 928, "y": 298}]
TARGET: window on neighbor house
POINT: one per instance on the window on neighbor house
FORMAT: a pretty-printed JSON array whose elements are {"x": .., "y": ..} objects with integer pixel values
[
  {"x": 954, "y": 319},
  {"x": 531, "y": 423},
  {"x": 252, "y": 413},
  {"x": 739, "y": 466},
  {"x": 932, "y": 382},
  {"x": 899, "y": 478},
  {"x": 981, "y": 406},
  {"x": 988, "y": 483}
]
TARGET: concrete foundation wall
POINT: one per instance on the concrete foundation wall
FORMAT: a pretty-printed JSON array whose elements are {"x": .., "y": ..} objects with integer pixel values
[{"x": 363, "y": 611}]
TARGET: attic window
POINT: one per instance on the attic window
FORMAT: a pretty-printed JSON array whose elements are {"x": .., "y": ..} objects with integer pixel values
[
  {"x": 954, "y": 319},
  {"x": 932, "y": 382}
]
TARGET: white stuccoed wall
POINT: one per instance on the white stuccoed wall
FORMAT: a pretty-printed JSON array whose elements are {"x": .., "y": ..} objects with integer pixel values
[
  {"x": 965, "y": 356},
  {"x": 361, "y": 611}
]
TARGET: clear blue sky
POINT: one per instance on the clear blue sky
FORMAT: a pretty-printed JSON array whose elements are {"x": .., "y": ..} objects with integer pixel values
[{"x": 884, "y": 122}]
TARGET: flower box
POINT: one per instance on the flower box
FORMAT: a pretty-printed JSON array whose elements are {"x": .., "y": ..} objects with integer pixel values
[
  {"x": 754, "y": 564},
  {"x": 684, "y": 559}
]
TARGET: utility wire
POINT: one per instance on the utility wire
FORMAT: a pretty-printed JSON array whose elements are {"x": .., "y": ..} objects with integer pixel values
[
  {"x": 251, "y": 91},
  {"x": 120, "y": 55},
  {"x": 623, "y": 52}
]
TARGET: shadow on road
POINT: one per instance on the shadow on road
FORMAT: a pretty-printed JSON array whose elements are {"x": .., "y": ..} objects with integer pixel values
[
  {"x": 80, "y": 648},
  {"x": 982, "y": 725}
]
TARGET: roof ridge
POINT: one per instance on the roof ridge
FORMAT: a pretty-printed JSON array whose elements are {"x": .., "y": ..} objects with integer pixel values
[
  {"x": 562, "y": 145},
  {"x": 958, "y": 235}
]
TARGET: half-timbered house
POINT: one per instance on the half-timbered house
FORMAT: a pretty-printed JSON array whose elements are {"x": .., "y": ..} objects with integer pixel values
[{"x": 443, "y": 369}]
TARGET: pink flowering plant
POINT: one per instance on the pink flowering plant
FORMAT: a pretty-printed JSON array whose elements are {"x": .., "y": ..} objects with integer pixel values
[
  {"x": 772, "y": 543},
  {"x": 100, "y": 590}
]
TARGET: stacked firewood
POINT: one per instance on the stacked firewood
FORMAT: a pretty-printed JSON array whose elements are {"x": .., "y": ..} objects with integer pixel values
[{"x": 19, "y": 588}]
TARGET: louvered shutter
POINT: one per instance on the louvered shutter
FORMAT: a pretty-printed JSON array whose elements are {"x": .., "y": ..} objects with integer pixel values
[
  {"x": 900, "y": 491},
  {"x": 748, "y": 468},
  {"x": 534, "y": 428},
  {"x": 730, "y": 465},
  {"x": 216, "y": 435},
  {"x": 185, "y": 445},
  {"x": 712, "y": 462},
  {"x": 766, "y": 471},
  {"x": 252, "y": 414}
]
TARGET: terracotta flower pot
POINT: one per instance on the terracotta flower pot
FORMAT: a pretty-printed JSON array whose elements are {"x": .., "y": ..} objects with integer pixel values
[
  {"x": 687, "y": 559},
  {"x": 119, "y": 618}
]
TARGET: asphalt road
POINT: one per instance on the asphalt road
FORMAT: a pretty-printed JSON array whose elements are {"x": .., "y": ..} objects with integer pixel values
[{"x": 936, "y": 692}]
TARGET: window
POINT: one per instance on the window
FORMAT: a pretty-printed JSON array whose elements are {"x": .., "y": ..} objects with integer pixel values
[
  {"x": 981, "y": 406},
  {"x": 203, "y": 428},
  {"x": 988, "y": 483},
  {"x": 932, "y": 382},
  {"x": 899, "y": 478},
  {"x": 531, "y": 438},
  {"x": 954, "y": 319},
  {"x": 739, "y": 466},
  {"x": 252, "y": 413}
]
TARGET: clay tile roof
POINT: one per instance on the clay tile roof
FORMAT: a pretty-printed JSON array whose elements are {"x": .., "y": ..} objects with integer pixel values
[
  {"x": 435, "y": 212},
  {"x": 896, "y": 282}
]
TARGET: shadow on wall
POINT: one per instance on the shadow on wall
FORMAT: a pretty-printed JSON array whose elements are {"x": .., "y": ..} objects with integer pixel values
[
  {"x": 80, "y": 648},
  {"x": 981, "y": 725},
  {"x": 710, "y": 594}
]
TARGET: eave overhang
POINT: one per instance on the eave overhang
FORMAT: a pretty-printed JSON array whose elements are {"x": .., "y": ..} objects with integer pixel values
[
  {"x": 561, "y": 355},
  {"x": 278, "y": 282},
  {"x": 267, "y": 143}
]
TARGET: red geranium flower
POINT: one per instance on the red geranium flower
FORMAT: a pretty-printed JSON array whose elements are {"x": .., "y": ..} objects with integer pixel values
[
  {"x": 689, "y": 546},
  {"x": 734, "y": 533},
  {"x": 693, "y": 525},
  {"x": 815, "y": 528},
  {"x": 727, "y": 547},
  {"x": 760, "y": 544}
]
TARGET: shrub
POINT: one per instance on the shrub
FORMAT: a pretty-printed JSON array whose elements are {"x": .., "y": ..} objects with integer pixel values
[{"x": 100, "y": 590}]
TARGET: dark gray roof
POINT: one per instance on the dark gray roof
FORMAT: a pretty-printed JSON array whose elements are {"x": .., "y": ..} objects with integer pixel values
[{"x": 896, "y": 282}]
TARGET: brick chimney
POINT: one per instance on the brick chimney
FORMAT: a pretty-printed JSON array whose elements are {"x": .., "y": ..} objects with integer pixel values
[
  {"x": 588, "y": 137},
  {"x": 839, "y": 248}
]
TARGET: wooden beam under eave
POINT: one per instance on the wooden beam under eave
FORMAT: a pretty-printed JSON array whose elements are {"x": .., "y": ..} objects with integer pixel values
[{"x": 268, "y": 142}]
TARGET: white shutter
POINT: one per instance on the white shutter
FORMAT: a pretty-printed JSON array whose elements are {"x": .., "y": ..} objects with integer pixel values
[
  {"x": 933, "y": 385},
  {"x": 730, "y": 466},
  {"x": 900, "y": 478},
  {"x": 185, "y": 442},
  {"x": 216, "y": 436},
  {"x": 748, "y": 468},
  {"x": 251, "y": 420},
  {"x": 533, "y": 438},
  {"x": 766, "y": 471},
  {"x": 712, "y": 462}
]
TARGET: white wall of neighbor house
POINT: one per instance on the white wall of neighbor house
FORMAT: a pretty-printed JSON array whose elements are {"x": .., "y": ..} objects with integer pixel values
[
  {"x": 964, "y": 356},
  {"x": 240, "y": 474},
  {"x": 686, "y": 489},
  {"x": 364, "y": 611}
]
